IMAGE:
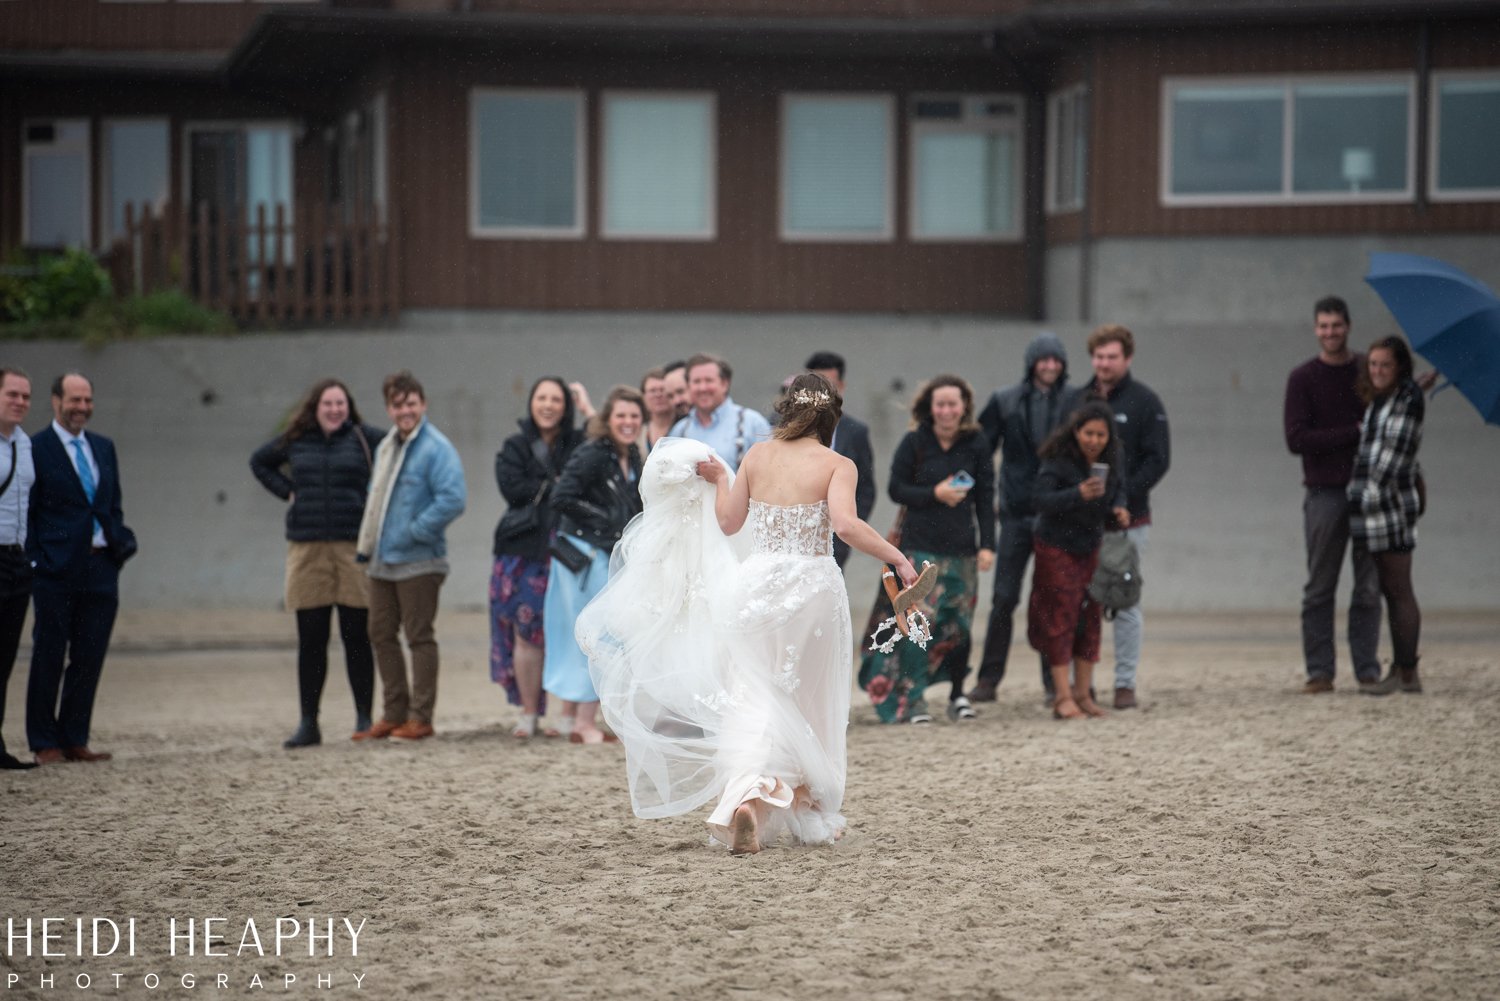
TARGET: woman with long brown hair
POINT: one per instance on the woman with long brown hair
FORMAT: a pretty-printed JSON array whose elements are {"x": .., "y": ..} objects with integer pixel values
[
  {"x": 1074, "y": 506},
  {"x": 596, "y": 496},
  {"x": 943, "y": 476},
  {"x": 321, "y": 466},
  {"x": 1386, "y": 497}
]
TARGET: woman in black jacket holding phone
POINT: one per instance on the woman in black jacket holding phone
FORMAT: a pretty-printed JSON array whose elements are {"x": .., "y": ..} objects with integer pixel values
[
  {"x": 526, "y": 470},
  {"x": 321, "y": 466},
  {"x": 1074, "y": 506},
  {"x": 943, "y": 476},
  {"x": 595, "y": 499}
]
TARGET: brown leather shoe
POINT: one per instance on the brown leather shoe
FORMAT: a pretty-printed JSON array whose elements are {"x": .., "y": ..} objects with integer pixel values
[
  {"x": 983, "y": 691},
  {"x": 413, "y": 729},
  {"x": 1124, "y": 698},
  {"x": 382, "y": 729},
  {"x": 1317, "y": 686},
  {"x": 50, "y": 756},
  {"x": 84, "y": 754}
]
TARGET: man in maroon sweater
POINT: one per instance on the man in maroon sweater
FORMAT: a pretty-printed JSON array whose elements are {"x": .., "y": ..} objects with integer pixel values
[{"x": 1323, "y": 412}]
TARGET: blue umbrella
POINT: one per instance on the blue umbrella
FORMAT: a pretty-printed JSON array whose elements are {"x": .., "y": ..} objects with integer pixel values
[{"x": 1453, "y": 320}]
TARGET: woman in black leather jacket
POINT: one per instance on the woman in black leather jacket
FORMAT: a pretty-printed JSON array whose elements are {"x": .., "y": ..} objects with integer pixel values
[
  {"x": 526, "y": 469},
  {"x": 321, "y": 465},
  {"x": 595, "y": 499}
]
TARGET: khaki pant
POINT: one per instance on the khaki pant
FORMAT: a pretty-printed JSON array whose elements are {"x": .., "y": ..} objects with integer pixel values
[{"x": 409, "y": 606}]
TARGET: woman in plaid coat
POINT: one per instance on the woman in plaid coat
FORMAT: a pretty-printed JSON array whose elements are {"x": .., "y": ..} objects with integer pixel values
[{"x": 1386, "y": 498}]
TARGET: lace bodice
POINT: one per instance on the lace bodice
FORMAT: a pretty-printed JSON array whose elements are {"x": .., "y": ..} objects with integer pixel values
[{"x": 791, "y": 529}]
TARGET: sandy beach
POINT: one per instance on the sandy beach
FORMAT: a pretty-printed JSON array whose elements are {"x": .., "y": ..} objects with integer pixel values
[{"x": 1230, "y": 839}]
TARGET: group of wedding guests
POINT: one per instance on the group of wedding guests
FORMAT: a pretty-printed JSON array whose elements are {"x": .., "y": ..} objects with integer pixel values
[{"x": 368, "y": 511}]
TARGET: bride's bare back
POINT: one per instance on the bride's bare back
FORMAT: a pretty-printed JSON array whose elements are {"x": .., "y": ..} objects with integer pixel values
[{"x": 789, "y": 472}]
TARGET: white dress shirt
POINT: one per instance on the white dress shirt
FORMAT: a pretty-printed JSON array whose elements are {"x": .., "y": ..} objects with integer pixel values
[
  {"x": 18, "y": 495},
  {"x": 67, "y": 438}
]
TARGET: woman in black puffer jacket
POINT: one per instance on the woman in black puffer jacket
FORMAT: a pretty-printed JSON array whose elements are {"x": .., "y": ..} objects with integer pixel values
[
  {"x": 321, "y": 465},
  {"x": 595, "y": 499},
  {"x": 526, "y": 470}
]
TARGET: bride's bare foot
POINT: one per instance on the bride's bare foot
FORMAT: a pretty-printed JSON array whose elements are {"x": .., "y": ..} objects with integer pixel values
[
  {"x": 1088, "y": 705},
  {"x": 745, "y": 839},
  {"x": 1066, "y": 708}
]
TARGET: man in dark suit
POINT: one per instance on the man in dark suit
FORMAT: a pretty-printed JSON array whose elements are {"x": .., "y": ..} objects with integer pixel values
[
  {"x": 850, "y": 439},
  {"x": 77, "y": 541}
]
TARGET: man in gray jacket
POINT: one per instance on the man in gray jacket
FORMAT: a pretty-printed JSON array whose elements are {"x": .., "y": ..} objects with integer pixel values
[{"x": 1017, "y": 420}]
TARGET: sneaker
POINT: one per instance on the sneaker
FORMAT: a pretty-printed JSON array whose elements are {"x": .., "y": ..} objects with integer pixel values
[
  {"x": 1317, "y": 685},
  {"x": 413, "y": 729},
  {"x": 960, "y": 709}
]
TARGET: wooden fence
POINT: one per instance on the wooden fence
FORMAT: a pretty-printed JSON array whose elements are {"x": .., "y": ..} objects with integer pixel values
[{"x": 271, "y": 270}]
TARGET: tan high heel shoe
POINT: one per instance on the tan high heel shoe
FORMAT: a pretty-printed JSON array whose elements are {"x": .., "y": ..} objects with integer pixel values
[{"x": 904, "y": 600}]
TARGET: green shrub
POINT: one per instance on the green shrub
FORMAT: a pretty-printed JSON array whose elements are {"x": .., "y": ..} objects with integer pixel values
[
  {"x": 171, "y": 312},
  {"x": 67, "y": 286}
]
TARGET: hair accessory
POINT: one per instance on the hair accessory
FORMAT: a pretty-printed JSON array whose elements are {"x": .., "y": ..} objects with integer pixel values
[{"x": 807, "y": 397}]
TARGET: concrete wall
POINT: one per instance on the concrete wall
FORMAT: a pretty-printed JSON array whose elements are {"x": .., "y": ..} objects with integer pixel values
[
  {"x": 186, "y": 414},
  {"x": 1242, "y": 281}
]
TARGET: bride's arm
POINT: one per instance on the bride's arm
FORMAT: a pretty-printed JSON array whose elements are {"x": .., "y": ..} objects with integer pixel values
[
  {"x": 731, "y": 501},
  {"x": 852, "y": 529}
]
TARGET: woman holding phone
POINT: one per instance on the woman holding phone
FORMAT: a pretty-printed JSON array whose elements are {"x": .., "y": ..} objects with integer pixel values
[
  {"x": 943, "y": 475},
  {"x": 1078, "y": 493}
]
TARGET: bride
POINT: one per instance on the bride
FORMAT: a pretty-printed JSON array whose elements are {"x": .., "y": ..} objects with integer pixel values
[{"x": 723, "y": 664}]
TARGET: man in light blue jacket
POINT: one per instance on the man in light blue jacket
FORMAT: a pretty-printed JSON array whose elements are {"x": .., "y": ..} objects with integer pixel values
[{"x": 416, "y": 489}]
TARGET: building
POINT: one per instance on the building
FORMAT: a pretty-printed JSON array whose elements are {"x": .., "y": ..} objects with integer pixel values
[{"x": 1019, "y": 158}]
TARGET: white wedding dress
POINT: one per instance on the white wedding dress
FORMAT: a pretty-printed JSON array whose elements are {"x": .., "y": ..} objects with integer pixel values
[{"x": 724, "y": 667}]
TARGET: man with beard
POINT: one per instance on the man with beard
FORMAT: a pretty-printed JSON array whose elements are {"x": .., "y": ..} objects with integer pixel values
[
  {"x": 1016, "y": 421},
  {"x": 1322, "y": 418}
]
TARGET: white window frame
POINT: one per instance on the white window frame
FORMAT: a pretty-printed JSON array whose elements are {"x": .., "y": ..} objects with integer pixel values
[
  {"x": 106, "y": 162},
  {"x": 888, "y": 232},
  {"x": 916, "y": 128},
  {"x": 1434, "y": 134},
  {"x": 1077, "y": 95},
  {"x": 1288, "y": 84},
  {"x": 710, "y": 210},
  {"x": 579, "y": 229},
  {"x": 86, "y": 203}
]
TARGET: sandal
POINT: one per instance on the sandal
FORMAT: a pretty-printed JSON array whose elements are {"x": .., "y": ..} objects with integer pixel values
[
  {"x": 904, "y": 600},
  {"x": 525, "y": 727}
]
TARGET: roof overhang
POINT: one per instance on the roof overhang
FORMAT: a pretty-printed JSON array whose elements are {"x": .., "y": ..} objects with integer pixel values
[
  {"x": 329, "y": 44},
  {"x": 74, "y": 65}
]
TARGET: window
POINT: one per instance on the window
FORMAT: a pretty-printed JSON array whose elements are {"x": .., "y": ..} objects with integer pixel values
[
  {"x": 966, "y": 167},
  {"x": 55, "y": 183},
  {"x": 657, "y": 165},
  {"x": 245, "y": 164},
  {"x": 356, "y": 174},
  {"x": 135, "y": 171},
  {"x": 836, "y": 167},
  {"x": 1465, "y": 144},
  {"x": 1067, "y": 149},
  {"x": 526, "y": 163},
  {"x": 1307, "y": 140}
]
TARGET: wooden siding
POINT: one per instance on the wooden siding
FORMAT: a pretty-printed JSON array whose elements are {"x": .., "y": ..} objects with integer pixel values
[
  {"x": 747, "y": 267},
  {"x": 162, "y": 26},
  {"x": 1125, "y": 159},
  {"x": 908, "y": 9}
]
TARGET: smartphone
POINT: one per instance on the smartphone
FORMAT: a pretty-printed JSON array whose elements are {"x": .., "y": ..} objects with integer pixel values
[
  {"x": 963, "y": 480},
  {"x": 1100, "y": 471}
]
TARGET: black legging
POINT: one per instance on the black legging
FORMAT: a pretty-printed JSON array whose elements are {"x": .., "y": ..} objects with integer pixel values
[
  {"x": 312, "y": 656},
  {"x": 1400, "y": 606}
]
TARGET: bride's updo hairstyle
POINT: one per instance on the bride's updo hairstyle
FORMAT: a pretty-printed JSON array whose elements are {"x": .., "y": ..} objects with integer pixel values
[{"x": 809, "y": 407}]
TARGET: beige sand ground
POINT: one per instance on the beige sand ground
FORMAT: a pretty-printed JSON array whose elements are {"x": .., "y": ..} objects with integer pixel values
[{"x": 1232, "y": 839}]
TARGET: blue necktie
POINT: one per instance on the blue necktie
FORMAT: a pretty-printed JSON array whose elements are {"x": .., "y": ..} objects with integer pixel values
[{"x": 86, "y": 476}]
